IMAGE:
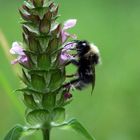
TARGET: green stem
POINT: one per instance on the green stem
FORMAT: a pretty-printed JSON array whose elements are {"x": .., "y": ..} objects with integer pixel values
[{"x": 46, "y": 134}]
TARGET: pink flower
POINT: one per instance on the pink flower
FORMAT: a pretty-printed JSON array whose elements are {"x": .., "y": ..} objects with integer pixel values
[
  {"x": 65, "y": 56},
  {"x": 67, "y": 25},
  {"x": 18, "y": 50}
]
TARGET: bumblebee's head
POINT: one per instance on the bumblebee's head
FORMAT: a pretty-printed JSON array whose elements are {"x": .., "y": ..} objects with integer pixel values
[{"x": 82, "y": 47}]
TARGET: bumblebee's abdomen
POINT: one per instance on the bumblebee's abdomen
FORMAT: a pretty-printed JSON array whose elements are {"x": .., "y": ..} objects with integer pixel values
[{"x": 85, "y": 71}]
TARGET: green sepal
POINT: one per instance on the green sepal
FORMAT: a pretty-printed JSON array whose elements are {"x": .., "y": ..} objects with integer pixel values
[
  {"x": 25, "y": 77},
  {"x": 67, "y": 102},
  {"x": 24, "y": 14},
  {"x": 38, "y": 72},
  {"x": 44, "y": 61},
  {"x": 47, "y": 79},
  {"x": 50, "y": 4},
  {"x": 77, "y": 126},
  {"x": 48, "y": 100},
  {"x": 55, "y": 10},
  {"x": 38, "y": 3},
  {"x": 29, "y": 32},
  {"x": 27, "y": 17},
  {"x": 58, "y": 115},
  {"x": 44, "y": 42},
  {"x": 45, "y": 23},
  {"x": 15, "y": 133},
  {"x": 25, "y": 38},
  {"x": 56, "y": 61},
  {"x": 28, "y": 4},
  {"x": 56, "y": 29},
  {"x": 38, "y": 117},
  {"x": 57, "y": 78},
  {"x": 34, "y": 44},
  {"x": 29, "y": 101},
  {"x": 31, "y": 90},
  {"x": 31, "y": 29},
  {"x": 45, "y": 26},
  {"x": 26, "y": 8},
  {"x": 31, "y": 64},
  {"x": 60, "y": 97},
  {"x": 25, "y": 66},
  {"x": 43, "y": 73},
  {"x": 53, "y": 45},
  {"x": 38, "y": 82}
]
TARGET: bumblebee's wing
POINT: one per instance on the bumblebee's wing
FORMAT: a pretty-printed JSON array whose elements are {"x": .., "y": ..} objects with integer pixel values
[
  {"x": 93, "y": 73},
  {"x": 93, "y": 80}
]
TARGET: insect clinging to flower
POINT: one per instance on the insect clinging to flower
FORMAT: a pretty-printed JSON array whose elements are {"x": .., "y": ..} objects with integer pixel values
[{"x": 87, "y": 57}]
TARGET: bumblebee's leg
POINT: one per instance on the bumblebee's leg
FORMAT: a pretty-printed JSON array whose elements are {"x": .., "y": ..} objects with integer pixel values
[
  {"x": 73, "y": 61},
  {"x": 70, "y": 76},
  {"x": 71, "y": 83}
]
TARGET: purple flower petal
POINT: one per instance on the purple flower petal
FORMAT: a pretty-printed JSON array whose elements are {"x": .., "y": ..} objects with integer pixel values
[
  {"x": 65, "y": 57},
  {"x": 22, "y": 59},
  {"x": 17, "y": 49},
  {"x": 64, "y": 35},
  {"x": 69, "y": 46},
  {"x": 14, "y": 61},
  {"x": 69, "y": 24}
]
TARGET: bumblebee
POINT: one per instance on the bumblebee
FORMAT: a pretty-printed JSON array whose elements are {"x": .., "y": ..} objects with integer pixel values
[{"x": 88, "y": 57}]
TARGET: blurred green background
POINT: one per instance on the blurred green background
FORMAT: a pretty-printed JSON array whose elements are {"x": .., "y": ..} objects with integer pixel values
[{"x": 113, "y": 112}]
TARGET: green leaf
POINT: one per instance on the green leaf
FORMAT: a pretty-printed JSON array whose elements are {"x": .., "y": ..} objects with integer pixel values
[
  {"x": 58, "y": 115},
  {"x": 38, "y": 117},
  {"x": 15, "y": 133},
  {"x": 77, "y": 126}
]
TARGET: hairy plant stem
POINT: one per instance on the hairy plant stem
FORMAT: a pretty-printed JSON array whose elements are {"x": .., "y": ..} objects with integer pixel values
[{"x": 46, "y": 134}]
